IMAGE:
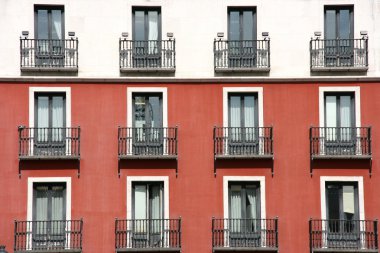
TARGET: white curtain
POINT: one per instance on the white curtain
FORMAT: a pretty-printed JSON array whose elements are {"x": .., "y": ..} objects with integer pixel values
[
  {"x": 156, "y": 208},
  {"x": 345, "y": 117},
  {"x": 57, "y": 119},
  {"x": 249, "y": 117},
  {"x": 235, "y": 207},
  {"x": 57, "y": 24},
  {"x": 43, "y": 118},
  {"x": 57, "y": 210},
  {"x": 140, "y": 207},
  {"x": 153, "y": 31},
  {"x": 251, "y": 208},
  {"x": 41, "y": 209},
  {"x": 235, "y": 119},
  {"x": 331, "y": 117},
  {"x": 348, "y": 200}
]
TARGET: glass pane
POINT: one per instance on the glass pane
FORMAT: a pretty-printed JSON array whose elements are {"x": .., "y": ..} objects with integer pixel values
[
  {"x": 41, "y": 206},
  {"x": 139, "y": 33},
  {"x": 156, "y": 208},
  {"x": 248, "y": 25},
  {"x": 56, "y": 31},
  {"x": 57, "y": 115},
  {"x": 42, "y": 24},
  {"x": 331, "y": 112},
  {"x": 348, "y": 202},
  {"x": 140, "y": 119},
  {"x": 154, "y": 111},
  {"x": 235, "y": 208},
  {"x": 57, "y": 203},
  {"x": 344, "y": 24},
  {"x": 153, "y": 25},
  {"x": 235, "y": 110},
  {"x": 234, "y": 26},
  {"x": 330, "y": 24},
  {"x": 140, "y": 202},
  {"x": 249, "y": 111},
  {"x": 333, "y": 202},
  {"x": 345, "y": 111}
]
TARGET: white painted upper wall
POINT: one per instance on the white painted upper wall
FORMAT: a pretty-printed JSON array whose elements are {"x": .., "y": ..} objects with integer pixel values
[{"x": 99, "y": 23}]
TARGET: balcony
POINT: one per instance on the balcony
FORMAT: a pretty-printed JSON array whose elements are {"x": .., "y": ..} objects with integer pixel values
[
  {"x": 49, "y": 143},
  {"x": 48, "y": 236},
  {"x": 339, "y": 54},
  {"x": 343, "y": 236},
  {"x": 242, "y": 55},
  {"x": 148, "y": 235},
  {"x": 147, "y": 56},
  {"x": 340, "y": 143},
  {"x": 49, "y": 55},
  {"x": 147, "y": 143},
  {"x": 243, "y": 142},
  {"x": 245, "y": 234}
]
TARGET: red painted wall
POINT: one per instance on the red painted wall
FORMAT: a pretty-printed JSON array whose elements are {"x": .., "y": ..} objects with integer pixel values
[{"x": 99, "y": 195}]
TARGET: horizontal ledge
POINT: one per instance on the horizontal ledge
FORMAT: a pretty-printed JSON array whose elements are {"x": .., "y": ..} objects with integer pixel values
[
  {"x": 49, "y": 251},
  {"x": 162, "y": 249},
  {"x": 229, "y": 70},
  {"x": 49, "y": 157},
  {"x": 244, "y": 249},
  {"x": 332, "y": 157},
  {"x": 135, "y": 70},
  {"x": 345, "y": 250},
  {"x": 339, "y": 69},
  {"x": 139, "y": 157},
  {"x": 49, "y": 69},
  {"x": 243, "y": 156}
]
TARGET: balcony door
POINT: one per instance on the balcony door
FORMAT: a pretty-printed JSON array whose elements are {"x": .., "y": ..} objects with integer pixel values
[
  {"x": 343, "y": 215},
  {"x": 147, "y": 123},
  {"x": 340, "y": 134},
  {"x": 147, "y": 199},
  {"x": 49, "y": 32},
  {"x": 243, "y": 124},
  {"x": 244, "y": 210},
  {"x": 146, "y": 37},
  {"x": 242, "y": 51},
  {"x": 339, "y": 34},
  {"x": 50, "y": 124},
  {"x": 49, "y": 216}
]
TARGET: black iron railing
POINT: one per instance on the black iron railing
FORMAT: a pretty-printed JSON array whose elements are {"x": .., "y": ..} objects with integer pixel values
[
  {"x": 242, "y": 55},
  {"x": 245, "y": 233},
  {"x": 147, "y": 142},
  {"x": 155, "y": 55},
  {"x": 340, "y": 142},
  {"x": 48, "y": 236},
  {"x": 243, "y": 141},
  {"x": 49, "y": 142},
  {"x": 148, "y": 234},
  {"x": 45, "y": 54},
  {"x": 339, "y": 53},
  {"x": 343, "y": 235}
]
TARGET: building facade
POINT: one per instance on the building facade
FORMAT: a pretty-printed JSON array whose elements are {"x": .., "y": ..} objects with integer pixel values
[{"x": 189, "y": 126}]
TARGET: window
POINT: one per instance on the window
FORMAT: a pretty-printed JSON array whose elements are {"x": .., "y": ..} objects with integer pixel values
[
  {"x": 342, "y": 207},
  {"x": 244, "y": 205},
  {"x": 147, "y": 213},
  {"x": 50, "y": 123},
  {"x": 242, "y": 37},
  {"x": 340, "y": 122},
  {"x": 147, "y": 123},
  {"x": 146, "y": 36},
  {"x": 49, "y": 35},
  {"x": 243, "y": 123},
  {"x": 49, "y": 215},
  {"x": 339, "y": 31}
]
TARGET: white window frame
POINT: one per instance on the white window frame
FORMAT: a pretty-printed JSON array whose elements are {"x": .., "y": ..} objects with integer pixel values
[
  {"x": 32, "y": 91},
  {"x": 226, "y": 181},
  {"x": 327, "y": 179},
  {"x": 325, "y": 90},
  {"x": 29, "y": 215},
  {"x": 164, "y": 92},
  {"x": 258, "y": 90},
  {"x": 131, "y": 180},
  {"x": 231, "y": 90}
]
